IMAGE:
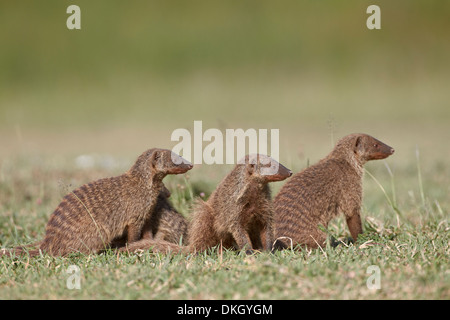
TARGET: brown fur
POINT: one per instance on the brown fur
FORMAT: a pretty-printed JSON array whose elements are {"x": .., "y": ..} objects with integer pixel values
[
  {"x": 238, "y": 213},
  {"x": 90, "y": 217},
  {"x": 165, "y": 223},
  {"x": 319, "y": 193},
  {"x": 165, "y": 231}
]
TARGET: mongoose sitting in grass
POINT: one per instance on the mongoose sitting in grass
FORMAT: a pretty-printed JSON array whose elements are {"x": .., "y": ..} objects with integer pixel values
[
  {"x": 319, "y": 193},
  {"x": 239, "y": 212},
  {"x": 90, "y": 217}
]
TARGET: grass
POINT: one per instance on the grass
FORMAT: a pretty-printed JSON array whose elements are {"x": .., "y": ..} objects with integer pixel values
[
  {"x": 413, "y": 266},
  {"x": 411, "y": 249}
]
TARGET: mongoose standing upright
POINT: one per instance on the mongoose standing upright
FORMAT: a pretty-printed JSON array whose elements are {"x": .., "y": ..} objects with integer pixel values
[
  {"x": 239, "y": 212},
  {"x": 319, "y": 193},
  {"x": 90, "y": 217}
]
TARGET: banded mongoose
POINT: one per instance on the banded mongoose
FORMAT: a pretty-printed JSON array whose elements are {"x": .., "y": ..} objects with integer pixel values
[
  {"x": 90, "y": 217},
  {"x": 239, "y": 212},
  {"x": 319, "y": 193}
]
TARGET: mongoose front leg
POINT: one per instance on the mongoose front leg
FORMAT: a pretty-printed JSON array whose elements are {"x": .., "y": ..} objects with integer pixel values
[
  {"x": 133, "y": 232},
  {"x": 268, "y": 237},
  {"x": 242, "y": 239},
  {"x": 354, "y": 225}
]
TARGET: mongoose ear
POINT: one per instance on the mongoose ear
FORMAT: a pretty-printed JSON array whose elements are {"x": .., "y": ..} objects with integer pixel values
[
  {"x": 154, "y": 158},
  {"x": 358, "y": 144}
]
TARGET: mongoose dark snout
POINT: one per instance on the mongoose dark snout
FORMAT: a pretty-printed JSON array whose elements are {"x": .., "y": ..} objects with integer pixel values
[
  {"x": 266, "y": 167},
  {"x": 281, "y": 174},
  {"x": 182, "y": 168},
  {"x": 384, "y": 148},
  {"x": 378, "y": 150},
  {"x": 178, "y": 164},
  {"x": 287, "y": 172}
]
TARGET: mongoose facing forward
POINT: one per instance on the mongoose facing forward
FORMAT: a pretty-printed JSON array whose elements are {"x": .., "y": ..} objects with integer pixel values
[
  {"x": 90, "y": 217},
  {"x": 319, "y": 193},
  {"x": 239, "y": 212}
]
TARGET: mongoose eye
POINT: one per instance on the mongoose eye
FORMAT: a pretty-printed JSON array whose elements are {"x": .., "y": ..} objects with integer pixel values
[{"x": 376, "y": 145}]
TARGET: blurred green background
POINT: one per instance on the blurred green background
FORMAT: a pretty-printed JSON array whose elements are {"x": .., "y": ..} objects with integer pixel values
[{"x": 137, "y": 70}]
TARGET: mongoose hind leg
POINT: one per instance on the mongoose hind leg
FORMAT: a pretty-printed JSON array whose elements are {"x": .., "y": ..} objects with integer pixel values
[{"x": 202, "y": 234}]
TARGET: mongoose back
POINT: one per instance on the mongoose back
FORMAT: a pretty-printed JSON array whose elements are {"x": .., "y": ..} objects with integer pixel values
[
  {"x": 239, "y": 212},
  {"x": 319, "y": 193},
  {"x": 90, "y": 217}
]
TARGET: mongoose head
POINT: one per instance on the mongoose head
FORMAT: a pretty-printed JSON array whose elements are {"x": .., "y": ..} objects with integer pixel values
[
  {"x": 159, "y": 163},
  {"x": 169, "y": 162},
  {"x": 365, "y": 147},
  {"x": 264, "y": 168}
]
